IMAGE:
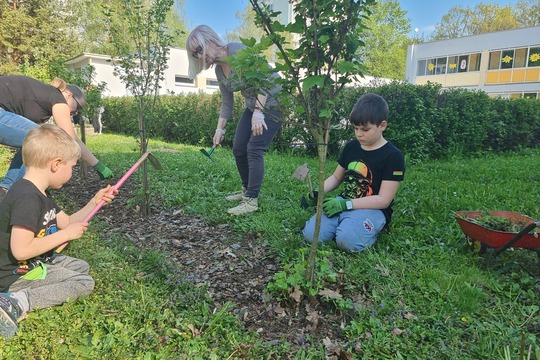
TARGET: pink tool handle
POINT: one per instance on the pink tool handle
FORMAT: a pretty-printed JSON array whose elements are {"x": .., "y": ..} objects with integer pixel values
[{"x": 115, "y": 187}]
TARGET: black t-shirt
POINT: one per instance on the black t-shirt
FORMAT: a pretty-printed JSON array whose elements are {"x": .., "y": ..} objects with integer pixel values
[
  {"x": 366, "y": 170},
  {"x": 29, "y": 97},
  {"x": 24, "y": 205}
]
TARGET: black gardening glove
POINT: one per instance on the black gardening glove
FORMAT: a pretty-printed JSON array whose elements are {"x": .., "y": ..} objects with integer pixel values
[{"x": 309, "y": 201}]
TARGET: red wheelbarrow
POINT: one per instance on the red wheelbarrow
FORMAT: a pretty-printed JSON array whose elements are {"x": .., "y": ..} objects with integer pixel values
[{"x": 500, "y": 240}]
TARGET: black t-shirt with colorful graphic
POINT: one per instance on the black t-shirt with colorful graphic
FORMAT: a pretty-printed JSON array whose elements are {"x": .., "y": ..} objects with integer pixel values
[
  {"x": 28, "y": 97},
  {"x": 24, "y": 205},
  {"x": 366, "y": 170}
]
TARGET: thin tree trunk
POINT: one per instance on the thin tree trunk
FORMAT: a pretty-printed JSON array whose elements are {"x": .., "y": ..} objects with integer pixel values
[
  {"x": 322, "y": 150},
  {"x": 142, "y": 135}
]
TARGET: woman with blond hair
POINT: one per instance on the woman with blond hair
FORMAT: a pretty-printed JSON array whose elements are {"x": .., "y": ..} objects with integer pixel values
[
  {"x": 259, "y": 122},
  {"x": 24, "y": 104}
]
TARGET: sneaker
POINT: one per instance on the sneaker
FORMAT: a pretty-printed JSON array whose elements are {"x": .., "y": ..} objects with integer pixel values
[
  {"x": 9, "y": 313},
  {"x": 247, "y": 205},
  {"x": 237, "y": 196}
]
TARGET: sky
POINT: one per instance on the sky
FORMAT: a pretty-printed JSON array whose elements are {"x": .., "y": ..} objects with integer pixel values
[{"x": 424, "y": 14}]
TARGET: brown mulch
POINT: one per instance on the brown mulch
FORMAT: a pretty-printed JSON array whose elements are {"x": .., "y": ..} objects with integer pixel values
[{"x": 233, "y": 269}]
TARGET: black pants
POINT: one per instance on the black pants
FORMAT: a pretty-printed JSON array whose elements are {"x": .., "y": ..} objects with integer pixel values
[{"x": 249, "y": 150}]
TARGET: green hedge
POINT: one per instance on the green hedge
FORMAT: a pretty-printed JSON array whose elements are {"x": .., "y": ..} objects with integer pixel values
[{"x": 425, "y": 122}]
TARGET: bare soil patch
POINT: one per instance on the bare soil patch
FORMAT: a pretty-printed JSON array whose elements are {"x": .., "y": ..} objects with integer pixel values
[{"x": 235, "y": 270}]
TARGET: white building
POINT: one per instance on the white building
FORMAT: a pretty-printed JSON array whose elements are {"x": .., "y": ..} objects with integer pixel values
[
  {"x": 175, "y": 76},
  {"x": 502, "y": 63},
  {"x": 176, "y": 79}
]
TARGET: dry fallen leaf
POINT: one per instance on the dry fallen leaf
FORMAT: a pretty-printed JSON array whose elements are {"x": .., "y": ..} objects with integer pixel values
[
  {"x": 280, "y": 311},
  {"x": 332, "y": 348},
  {"x": 397, "y": 331},
  {"x": 312, "y": 316},
  {"x": 331, "y": 294},
  {"x": 384, "y": 271},
  {"x": 194, "y": 331},
  {"x": 409, "y": 316},
  {"x": 297, "y": 294}
]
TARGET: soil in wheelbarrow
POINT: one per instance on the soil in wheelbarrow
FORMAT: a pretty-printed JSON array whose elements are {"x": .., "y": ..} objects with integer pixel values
[
  {"x": 498, "y": 223},
  {"x": 235, "y": 270}
]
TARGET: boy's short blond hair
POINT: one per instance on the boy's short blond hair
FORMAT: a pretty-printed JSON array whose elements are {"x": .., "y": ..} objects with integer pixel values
[{"x": 46, "y": 142}]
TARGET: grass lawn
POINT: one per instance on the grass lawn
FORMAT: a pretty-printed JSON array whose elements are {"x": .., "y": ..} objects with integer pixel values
[{"x": 420, "y": 293}]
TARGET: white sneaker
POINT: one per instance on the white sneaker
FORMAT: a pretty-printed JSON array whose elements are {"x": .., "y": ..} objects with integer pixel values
[
  {"x": 247, "y": 205},
  {"x": 237, "y": 196}
]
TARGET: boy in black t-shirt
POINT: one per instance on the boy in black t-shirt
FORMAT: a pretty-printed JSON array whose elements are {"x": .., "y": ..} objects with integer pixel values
[
  {"x": 32, "y": 226},
  {"x": 370, "y": 169}
]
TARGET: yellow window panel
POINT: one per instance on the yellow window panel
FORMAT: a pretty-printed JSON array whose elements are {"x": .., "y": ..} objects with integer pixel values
[
  {"x": 518, "y": 75},
  {"x": 532, "y": 75},
  {"x": 492, "y": 77},
  {"x": 505, "y": 76}
]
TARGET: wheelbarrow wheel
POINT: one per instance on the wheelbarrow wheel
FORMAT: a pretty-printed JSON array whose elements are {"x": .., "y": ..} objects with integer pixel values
[{"x": 477, "y": 246}]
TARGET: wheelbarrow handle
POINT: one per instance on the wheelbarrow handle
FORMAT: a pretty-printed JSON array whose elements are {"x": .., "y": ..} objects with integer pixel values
[{"x": 518, "y": 236}]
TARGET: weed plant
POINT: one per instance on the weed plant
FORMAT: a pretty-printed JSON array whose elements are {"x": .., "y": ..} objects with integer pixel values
[{"x": 420, "y": 293}]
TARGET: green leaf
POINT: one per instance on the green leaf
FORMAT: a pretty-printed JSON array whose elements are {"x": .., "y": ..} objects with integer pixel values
[
  {"x": 248, "y": 42},
  {"x": 312, "y": 81},
  {"x": 346, "y": 67},
  {"x": 325, "y": 113}
]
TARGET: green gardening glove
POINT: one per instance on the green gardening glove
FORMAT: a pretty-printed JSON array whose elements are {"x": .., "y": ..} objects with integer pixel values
[
  {"x": 334, "y": 206},
  {"x": 103, "y": 171}
]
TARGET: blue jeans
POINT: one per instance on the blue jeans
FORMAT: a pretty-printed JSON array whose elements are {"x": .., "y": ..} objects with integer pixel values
[
  {"x": 354, "y": 230},
  {"x": 13, "y": 130}
]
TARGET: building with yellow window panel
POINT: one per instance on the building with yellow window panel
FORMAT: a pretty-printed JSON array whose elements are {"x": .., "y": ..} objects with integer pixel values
[{"x": 502, "y": 63}]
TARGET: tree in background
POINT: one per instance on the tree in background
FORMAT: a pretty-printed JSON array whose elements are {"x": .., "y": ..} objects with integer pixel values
[
  {"x": 313, "y": 73},
  {"x": 386, "y": 40},
  {"x": 486, "y": 17},
  {"x": 96, "y": 17},
  {"x": 528, "y": 13},
  {"x": 33, "y": 33},
  {"x": 36, "y": 33},
  {"x": 249, "y": 29},
  {"x": 142, "y": 50}
]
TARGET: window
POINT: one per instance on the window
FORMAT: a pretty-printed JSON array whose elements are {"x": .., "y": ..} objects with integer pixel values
[
  {"x": 534, "y": 57},
  {"x": 520, "y": 59},
  {"x": 449, "y": 65},
  {"x": 452, "y": 64},
  {"x": 440, "y": 67},
  {"x": 494, "y": 60},
  {"x": 474, "y": 62},
  {"x": 507, "y": 59},
  {"x": 529, "y": 95},
  {"x": 180, "y": 80},
  {"x": 430, "y": 67},
  {"x": 463, "y": 63},
  {"x": 212, "y": 82},
  {"x": 421, "y": 70}
]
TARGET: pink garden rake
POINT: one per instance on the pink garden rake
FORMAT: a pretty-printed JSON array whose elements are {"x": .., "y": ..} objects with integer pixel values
[{"x": 147, "y": 155}]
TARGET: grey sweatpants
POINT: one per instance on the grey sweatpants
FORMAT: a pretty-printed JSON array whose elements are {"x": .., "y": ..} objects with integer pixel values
[
  {"x": 67, "y": 279},
  {"x": 248, "y": 150}
]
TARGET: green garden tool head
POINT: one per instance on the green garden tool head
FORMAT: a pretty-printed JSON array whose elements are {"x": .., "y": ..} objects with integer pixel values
[{"x": 208, "y": 153}]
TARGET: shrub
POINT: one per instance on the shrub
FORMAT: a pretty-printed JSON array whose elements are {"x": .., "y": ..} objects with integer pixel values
[{"x": 425, "y": 121}]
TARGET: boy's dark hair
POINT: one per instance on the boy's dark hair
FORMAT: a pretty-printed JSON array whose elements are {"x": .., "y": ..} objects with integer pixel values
[{"x": 369, "y": 109}]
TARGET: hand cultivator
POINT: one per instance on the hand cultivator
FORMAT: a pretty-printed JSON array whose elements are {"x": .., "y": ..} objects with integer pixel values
[
  {"x": 301, "y": 173},
  {"x": 208, "y": 153}
]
